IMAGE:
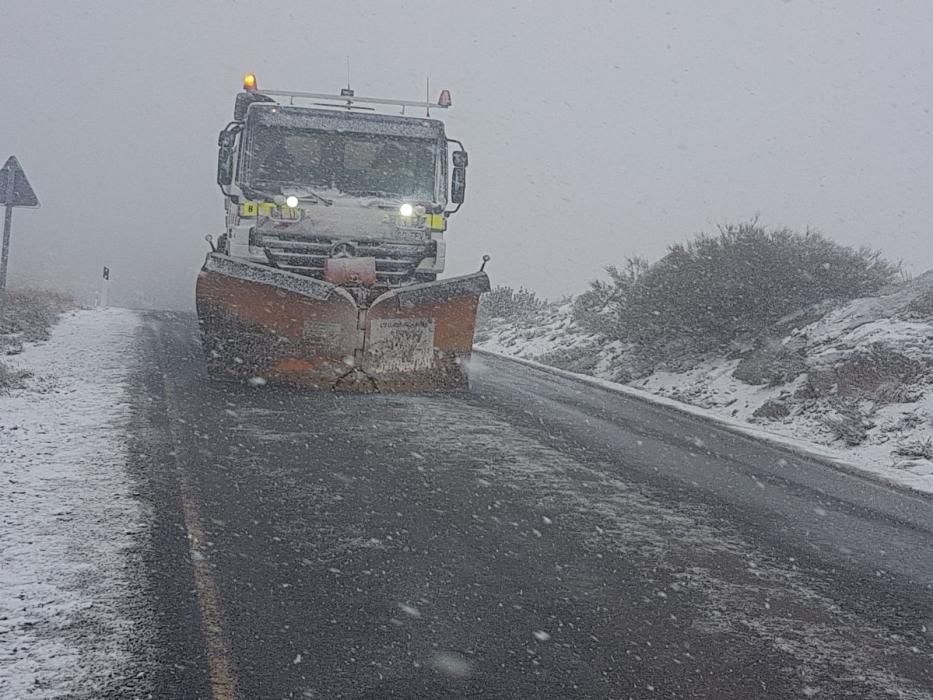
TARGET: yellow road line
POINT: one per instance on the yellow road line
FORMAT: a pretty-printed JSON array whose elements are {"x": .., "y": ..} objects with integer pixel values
[{"x": 221, "y": 675}]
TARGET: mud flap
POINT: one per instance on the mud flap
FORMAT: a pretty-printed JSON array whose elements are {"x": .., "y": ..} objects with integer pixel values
[{"x": 275, "y": 326}]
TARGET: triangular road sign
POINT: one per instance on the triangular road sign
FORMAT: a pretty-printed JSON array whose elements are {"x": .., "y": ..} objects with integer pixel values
[{"x": 15, "y": 190}]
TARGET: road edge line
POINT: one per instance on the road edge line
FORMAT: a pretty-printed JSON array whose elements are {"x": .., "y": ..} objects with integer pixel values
[
  {"x": 787, "y": 444},
  {"x": 220, "y": 675}
]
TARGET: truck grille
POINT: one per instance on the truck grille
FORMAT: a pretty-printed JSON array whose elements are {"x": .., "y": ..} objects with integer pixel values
[{"x": 306, "y": 256}]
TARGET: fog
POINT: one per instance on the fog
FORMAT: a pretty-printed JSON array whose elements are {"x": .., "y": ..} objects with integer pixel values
[{"x": 596, "y": 130}]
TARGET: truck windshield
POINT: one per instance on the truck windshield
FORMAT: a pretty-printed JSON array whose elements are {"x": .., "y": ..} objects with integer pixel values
[{"x": 351, "y": 163}]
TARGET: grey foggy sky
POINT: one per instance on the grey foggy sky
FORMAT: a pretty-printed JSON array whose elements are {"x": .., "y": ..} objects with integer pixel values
[{"x": 596, "y": 129}]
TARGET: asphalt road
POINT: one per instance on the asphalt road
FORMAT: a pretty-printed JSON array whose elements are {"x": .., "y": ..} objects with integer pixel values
[{"x": 531, "y": 538}]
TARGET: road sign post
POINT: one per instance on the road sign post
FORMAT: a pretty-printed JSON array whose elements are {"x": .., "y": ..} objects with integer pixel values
[
  {"x": 5, "y": 251},
  {"x": 15, "y": 191}
]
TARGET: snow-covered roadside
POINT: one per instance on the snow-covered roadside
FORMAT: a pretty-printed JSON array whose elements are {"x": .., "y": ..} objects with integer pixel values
[
  {"x": 860, "y": 391},
  {"x": 69, "y": 522},
  {"x": 712, "y": 386},
  {"x": 918, "y": 481}
]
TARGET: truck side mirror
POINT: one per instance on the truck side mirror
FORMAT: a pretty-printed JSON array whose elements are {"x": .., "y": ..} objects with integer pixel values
[
  {"x": 225, "y": 144},
  {"x": 458, "y": 178}
]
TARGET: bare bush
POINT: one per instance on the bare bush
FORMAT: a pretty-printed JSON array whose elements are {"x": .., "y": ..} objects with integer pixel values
[
  {"x": 915, "y": 449},
  {"x": 911, "y": 421},
  {"x": 850, "y": 425},
  {"x": 30, "y": 313},
  {"x": 921, "y": 307},
  {"x": 11, "y": 378},
  {"x": 897, "y": 392}
]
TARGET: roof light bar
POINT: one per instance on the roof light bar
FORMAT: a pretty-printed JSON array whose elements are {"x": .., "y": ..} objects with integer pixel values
[{"x": 350, "y": 99}]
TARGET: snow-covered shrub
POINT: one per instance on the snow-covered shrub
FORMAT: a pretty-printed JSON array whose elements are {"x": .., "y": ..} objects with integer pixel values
[
  {"x": 714, "y": 290},
  {"x": 874, "y": 371},
  {"x": 509, "y": 304},
  {"x": 604, "y": 302},
  {"x": 772, "y": 409},
  {"x": 580, "y": 358},
  {"x": 772, "y": 363},
  {"x": 896, "y": 392}
]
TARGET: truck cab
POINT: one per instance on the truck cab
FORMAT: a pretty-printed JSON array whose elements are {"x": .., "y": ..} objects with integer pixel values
[{"x": 336, "y": 191}]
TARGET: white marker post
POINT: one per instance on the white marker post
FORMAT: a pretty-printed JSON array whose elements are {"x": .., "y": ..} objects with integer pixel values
[{"x": 104, "y": 283}]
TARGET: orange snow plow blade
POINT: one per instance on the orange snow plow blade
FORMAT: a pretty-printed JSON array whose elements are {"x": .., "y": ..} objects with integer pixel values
[{"x": 262, "y": 324}]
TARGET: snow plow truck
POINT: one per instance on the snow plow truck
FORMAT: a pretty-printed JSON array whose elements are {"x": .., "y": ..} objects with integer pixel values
[{"x": 326, "y": 274}]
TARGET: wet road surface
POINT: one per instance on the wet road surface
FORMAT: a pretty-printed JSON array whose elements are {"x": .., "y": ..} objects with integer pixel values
[{"x": 531, "y": 538}]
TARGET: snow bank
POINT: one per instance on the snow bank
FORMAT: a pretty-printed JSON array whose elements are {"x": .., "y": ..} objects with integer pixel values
[
  {"x": 551, "y": 330},
  {"x": 68, "y": 519},
  {"x": 895, "y": 432}
]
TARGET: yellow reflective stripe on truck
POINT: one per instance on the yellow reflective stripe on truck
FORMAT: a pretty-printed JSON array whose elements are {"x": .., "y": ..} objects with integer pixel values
[
  {"x": 435, "y": 222},
  {"x": 249, "y": 210}
]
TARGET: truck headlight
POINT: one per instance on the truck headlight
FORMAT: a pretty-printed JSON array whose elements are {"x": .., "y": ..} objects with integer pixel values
[
  {"x": 406, "y": 209},
  {"x": 291, "y": 201}
]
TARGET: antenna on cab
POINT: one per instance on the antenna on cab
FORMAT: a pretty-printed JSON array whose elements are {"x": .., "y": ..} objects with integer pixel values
[
  {"x": 427, "y": 95},
  {"x": 348, "y": 91}
]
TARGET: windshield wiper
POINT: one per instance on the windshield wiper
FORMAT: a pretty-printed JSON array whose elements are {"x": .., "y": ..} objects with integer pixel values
[
  {"x": 301, "y": 190},
  {"x": 375, "y": 194},
  {"x": 297, "y": 190}
]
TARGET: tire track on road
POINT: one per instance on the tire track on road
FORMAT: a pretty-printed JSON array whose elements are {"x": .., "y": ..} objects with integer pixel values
[{"x": 220, "y": 669}]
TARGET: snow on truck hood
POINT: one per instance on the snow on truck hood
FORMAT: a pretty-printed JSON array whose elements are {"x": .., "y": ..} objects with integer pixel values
[{"x": 270, "y": 114}]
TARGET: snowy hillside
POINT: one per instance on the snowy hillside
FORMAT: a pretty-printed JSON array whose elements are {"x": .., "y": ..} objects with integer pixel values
[{"x": 857, "y": 378}]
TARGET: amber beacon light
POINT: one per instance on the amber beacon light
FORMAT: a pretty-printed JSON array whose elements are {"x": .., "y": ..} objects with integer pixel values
[{"x": 249, "y": 82}]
